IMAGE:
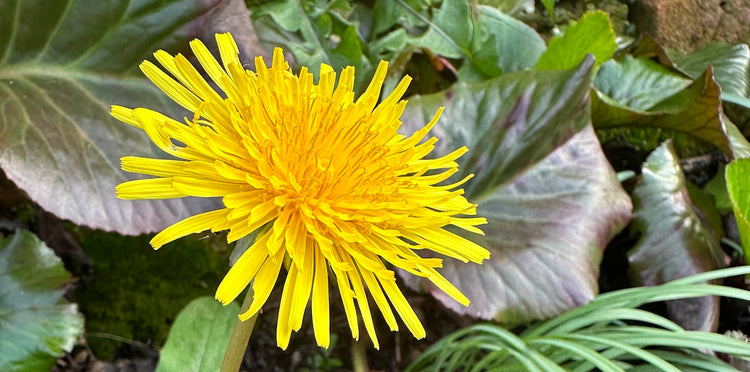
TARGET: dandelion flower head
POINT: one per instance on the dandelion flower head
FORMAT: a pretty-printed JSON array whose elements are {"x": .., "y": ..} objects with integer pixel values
[{"x": 325, "y": 180}]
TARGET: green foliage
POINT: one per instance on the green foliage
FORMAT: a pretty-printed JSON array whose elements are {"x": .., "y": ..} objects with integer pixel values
[
  {"x": 593, "y": 34},
  {"x": 509, "y": 123},
  {"x": 731, "y": 65},
  {"x": 329, "y": 32},
  {"x": 609, "y": 333},
  {"x": 501, "y": 44},
  {"x": 690, "y": 116},
  {"x": 308, "y": 28},
  {"x": 36, "y": 323},
  {"x": 524, "y": 109},
  {"x": 645, "y": 96},
  {"x": 199, "y": 336},
  {"x": 738, "y": 184},
  {"x": 740, "y": 145},
  {"x": 638, "y": 83},
  {"x": 136, "y": 292},
  {"x": 717, "y": 187}
]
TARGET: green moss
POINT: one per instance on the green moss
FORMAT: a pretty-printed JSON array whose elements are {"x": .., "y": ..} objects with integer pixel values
[{"x": 136, "y": 292}]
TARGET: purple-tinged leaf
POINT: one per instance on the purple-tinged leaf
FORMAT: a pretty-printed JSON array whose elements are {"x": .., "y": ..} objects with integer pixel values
[
  {"x": 546, "y": 234},
  {"x": 676, "y": 239},
  {"x": 62, "y": 64}
]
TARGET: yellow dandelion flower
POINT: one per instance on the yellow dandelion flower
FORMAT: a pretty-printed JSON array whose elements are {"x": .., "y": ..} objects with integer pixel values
[{"x": 326, "y": 179}]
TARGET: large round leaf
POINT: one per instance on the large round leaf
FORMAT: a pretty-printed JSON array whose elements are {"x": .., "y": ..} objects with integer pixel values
[
  {"x": 36, "y": 324},
  {"x": 546, "y": 234},
  {"x": 548, "y": 220},
  {"x": 62, "y": 64}
]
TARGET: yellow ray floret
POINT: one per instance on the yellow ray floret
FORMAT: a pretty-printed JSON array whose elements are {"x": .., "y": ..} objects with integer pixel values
[{"x": 325, "y": 180}]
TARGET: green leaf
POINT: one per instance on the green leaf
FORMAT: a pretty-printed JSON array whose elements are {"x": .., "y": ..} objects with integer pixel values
[
  {"x": 738, "y": 142},
  {"x": 510, "y": 7},
  {"x": 199, "y": 336},
  {"x": 289, "y": 16},
  {"x": 62, "y": 64},
  {"x": 551, "y": 209},
  {"x": 489, "y": 42},
  {"x": 592, "y": 34},
  {"x": 36, "y": 323},
  {"x": 388, "y": 13},
  {"x": 509, "y": 123},
  {"x": 705, "y": 207},
  {"x": 717, "y": 187},
  {"x": 736, "y": 99},
  {"x": 638, "y": 83},
  {"x": 690, "y": 116},
  {"x": 448, "y": 31},
  {"x": 315, "y": 32},
  {"x": 675, "y": 240},
  {"x": 502, "y": 44},
  {"x": 731, "y": 64},
  {"x": 738, "y": 185}
]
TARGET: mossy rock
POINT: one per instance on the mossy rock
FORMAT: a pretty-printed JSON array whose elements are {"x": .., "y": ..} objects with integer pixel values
[{"x": 135, "y": 292}]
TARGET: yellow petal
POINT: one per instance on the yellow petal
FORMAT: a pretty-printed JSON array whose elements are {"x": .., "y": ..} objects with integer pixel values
[
  {"x": 206, "y": 188},
  {"x": 125, "y": 115},
  {"x": 150, "y": 188},
  {"x": 380, "y": 299},
  {"x": 347, "y": 296},
  {"x": 173, "y": 89},
  {"x": 240, "y": 274},
  {"x": 152, "y": 167},
  {"x": 403, "y": 308},
  {"x": 302, "y": 286},
  {"x": 320, "y": 307},
  {"x": 445, "y": 285},
  {"x": 264, "y": 282},
  {"x": 283, "y": 325},
  {"x": 228, "y": 50},
  {"x": 190, "y": 225}
]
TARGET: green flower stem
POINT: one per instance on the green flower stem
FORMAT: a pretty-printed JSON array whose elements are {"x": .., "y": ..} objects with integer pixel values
[
  {"x": 359, "y": 356},
  {"x": 240, "y": 336}
]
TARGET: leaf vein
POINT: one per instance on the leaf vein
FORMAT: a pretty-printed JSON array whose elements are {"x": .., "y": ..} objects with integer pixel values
[
  {"x": 55, "y": 30},
  {"x": 13, "y": 34}
]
